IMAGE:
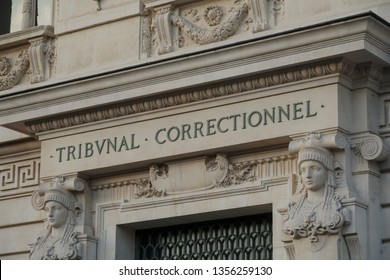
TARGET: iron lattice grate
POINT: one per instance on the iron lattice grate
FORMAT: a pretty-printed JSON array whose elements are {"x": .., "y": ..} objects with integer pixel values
[{"x": 242, "y": 238}]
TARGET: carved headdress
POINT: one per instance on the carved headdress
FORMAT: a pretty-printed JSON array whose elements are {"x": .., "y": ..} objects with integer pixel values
[
  {"x": 57, "y": 190},
  {"x": 303, "y": 218},
  {"x": 317, "y": 154},
  {"x": 65, "y": 245}
]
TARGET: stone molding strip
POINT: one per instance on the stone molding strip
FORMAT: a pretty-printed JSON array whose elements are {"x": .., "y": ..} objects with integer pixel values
[{"x": 306, "y": 72}]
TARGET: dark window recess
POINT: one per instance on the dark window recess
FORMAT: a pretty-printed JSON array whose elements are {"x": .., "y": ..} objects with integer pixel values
[
  {"x": 5, "y": 16},
  {"x": 242, "y": 238}
]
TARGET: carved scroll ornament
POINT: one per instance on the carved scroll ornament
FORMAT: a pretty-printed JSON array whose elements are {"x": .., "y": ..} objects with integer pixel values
[{"x": 370, "y": 147}]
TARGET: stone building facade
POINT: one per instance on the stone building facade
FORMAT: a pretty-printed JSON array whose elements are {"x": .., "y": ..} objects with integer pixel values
[{"x": 187, "y": 129}]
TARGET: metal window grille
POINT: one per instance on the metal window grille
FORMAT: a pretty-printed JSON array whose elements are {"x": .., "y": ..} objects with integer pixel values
[{"x": 242, "y": 238}]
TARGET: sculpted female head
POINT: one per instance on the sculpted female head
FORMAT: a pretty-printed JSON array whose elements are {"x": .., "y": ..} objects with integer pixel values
[
  {"x": 59, "y": 241},
  {"x": 59, "y": 206},
  {"x": 315, "y": 168}
]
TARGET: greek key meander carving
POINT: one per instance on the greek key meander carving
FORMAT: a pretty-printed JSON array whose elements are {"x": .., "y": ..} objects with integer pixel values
[
  {"x": 161, "y": 102},
  {"x": 219, "y": 173},
  {"x": 315, "y": 209},
  {"x": 19, "y": 175},
  {"x": 204, "y": 23}
]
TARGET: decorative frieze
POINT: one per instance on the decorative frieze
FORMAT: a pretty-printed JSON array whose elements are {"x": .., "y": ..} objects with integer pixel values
[
  {"x": 167, "y": 101},
  {"x": 369, "y": 71},
  {"x": 212, "y": 172},
  {"x": 226, "y": 29},
  {"x": 19, "y": 175},
  {"x": 174, "y": 26}
]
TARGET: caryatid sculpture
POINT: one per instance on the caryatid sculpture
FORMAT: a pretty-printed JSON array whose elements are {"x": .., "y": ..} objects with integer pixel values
[
  {"x": 59, "y": 240},
  {"x": 315, "y": 209}
]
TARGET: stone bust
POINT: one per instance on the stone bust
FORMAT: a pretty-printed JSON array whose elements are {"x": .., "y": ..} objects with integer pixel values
[
  {"x": 315, "y": 209},
  {"x": 59, "y": 239}
]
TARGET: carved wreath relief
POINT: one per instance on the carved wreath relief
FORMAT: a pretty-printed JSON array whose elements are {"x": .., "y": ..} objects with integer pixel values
[{"x": 168, "y": 28}]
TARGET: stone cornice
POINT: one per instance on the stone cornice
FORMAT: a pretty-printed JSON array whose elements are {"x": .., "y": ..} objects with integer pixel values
[
  {"x": 22, "y": 37},
  {"x": 209, "y": 66},
  {"x": 266, "y": 80}
]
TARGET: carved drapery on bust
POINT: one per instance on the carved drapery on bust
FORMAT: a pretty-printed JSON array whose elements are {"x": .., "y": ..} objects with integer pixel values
[
  {"x": 59, "y": 240},
  {"x": 315, "y": 209}
]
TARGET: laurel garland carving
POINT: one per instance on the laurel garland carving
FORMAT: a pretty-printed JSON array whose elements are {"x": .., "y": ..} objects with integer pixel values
[
  {"x": 11, "y": 77},
  {"x": 161, "y": 102}
]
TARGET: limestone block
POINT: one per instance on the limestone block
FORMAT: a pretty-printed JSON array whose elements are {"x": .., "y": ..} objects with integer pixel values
[
  {"x": 100, "y": 47},
  {"x": 303, "y": 11}
]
